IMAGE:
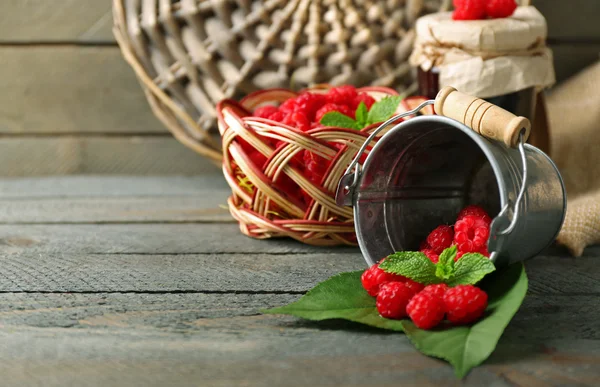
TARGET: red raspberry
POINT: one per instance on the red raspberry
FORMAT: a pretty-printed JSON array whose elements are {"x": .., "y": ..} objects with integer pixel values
[
  {"x": 289, "y": 106},
  {"x": 500, "y": 8},
  {"x": 414, "y": 287},
  {"x": 437, "y": 289},
  {"x": 424, "y": 245},
  {"x": 475, "y": 211},
  {"x": 297, "y": 120},
  {"x": 309, "y": 103},
  {"x": 277, "y": 116},
  {"x": 315, "y": 165},
  {"x": 432, "y": 255},
  {"x": 265, "y": 111},
  {"x": 426, "y": 310},
  {"x": 374, "y": 277},
  {"x": 471, "y": 234},
  {"x": 392, "y": 300},
  {"x": 331, "y": 107},
  {"x": 362, "y": 97},
  {"x": 440, "y": 238},
  {"x": 469, "y": 10},
  {"x": 343, "y": 95},
  {"x": 465, "y": 304}
]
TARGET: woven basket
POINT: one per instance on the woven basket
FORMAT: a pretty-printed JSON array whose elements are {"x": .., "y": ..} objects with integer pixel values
[
  {"x": 191, "y": 54},
  {"x": 263, "y": 199}
]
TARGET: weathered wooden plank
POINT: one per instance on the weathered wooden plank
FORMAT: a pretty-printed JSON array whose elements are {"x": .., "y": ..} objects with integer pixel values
[
  {"x": 71, "y": 89},
  {"x": 60, "y": 271},
  {"x": 161, "y": 238},
  {"x": 148, "y": 155},
  {"x": 570, "y": 58},
  {"x": 553, "y": 316},
  {"x": 259, "y": 351},
  {"x": 56, "y": 21},
  {"x": 105, "y": 186}
]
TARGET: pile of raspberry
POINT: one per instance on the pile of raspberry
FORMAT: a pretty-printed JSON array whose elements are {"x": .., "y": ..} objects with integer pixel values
[
  {"x": 304, "y": 113},
  {"x": 482, "y": 9},
  {"x": 427, "y": 306},
  {"x": 470, "y": 234}
]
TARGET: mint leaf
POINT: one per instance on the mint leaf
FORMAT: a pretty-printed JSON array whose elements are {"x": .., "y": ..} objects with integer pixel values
[
  {"x": 383, "y": 109},
  {"x": 412, "y": 264},
  {"x": 468, "y": 346},
  {"x": 339, "y": 120},
  {"x": 444, "y": 269},
  {"x": 361, "y": 114},
  {"x": 341, "y": 296},
  {"x": 470, "y": 269}
]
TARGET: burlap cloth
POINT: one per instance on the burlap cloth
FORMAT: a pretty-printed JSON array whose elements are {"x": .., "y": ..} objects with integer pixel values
[{"x": 574, "y": 115}]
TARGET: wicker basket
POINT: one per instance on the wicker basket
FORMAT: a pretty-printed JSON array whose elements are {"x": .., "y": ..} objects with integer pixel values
[
  {"x": 263, "y": 199},
  {"x": 190, "y": 54}
]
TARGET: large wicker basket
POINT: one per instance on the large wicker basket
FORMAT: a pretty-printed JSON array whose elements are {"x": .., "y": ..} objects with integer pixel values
[
  {"x": 191, "y": 54},
  {"x": 260, "y": 201}
]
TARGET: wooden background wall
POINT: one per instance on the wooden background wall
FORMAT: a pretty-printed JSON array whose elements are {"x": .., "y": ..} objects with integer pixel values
[{"x": 70, "y": 104}]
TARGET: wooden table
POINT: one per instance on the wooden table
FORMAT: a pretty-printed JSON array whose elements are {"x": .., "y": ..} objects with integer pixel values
[{"x": 147, "y": 281}]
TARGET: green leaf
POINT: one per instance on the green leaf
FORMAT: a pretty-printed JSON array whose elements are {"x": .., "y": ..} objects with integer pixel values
[
  {"x": 412, "y": 264},
  {"x": 465, "y": 347},
  {"x": 341, "y": 296},
  {"x": 444, "y": 269},
  {"x": 383, "y": 109},
  {"x": 470, "y": 269},
  {"x": 339, "y": 120},
  {"x": 468, "y": 346},
  {"x": 362, "y": 114}
]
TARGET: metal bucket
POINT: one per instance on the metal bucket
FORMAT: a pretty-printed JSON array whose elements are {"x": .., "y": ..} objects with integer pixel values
[{"x": 424, "y": 170}]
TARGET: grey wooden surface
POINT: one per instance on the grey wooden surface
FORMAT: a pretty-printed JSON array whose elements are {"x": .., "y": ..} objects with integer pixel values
[{"x": 127, "y": 291}]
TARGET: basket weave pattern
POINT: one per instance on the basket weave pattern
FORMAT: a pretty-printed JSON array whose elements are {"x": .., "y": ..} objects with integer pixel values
[
  {"x": 261, "y": 208},
  {"x": 191, "y": 54}
]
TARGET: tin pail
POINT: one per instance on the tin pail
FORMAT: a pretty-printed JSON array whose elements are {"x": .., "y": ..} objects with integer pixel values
[{"x": 424, "y": 170}]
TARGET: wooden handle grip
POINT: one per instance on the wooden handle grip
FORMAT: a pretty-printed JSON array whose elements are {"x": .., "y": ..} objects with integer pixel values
[{"x": 484, "y": 118}]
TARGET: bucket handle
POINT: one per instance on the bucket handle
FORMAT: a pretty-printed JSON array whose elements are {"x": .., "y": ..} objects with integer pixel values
[{"x": 484, "y": 118}]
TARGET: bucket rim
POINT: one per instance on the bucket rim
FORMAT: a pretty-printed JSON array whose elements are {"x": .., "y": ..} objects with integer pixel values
[{"x": 481, "y": 142}]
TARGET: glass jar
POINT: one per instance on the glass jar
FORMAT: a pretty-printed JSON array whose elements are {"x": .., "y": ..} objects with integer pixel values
[{"x": 526, "y": 103}]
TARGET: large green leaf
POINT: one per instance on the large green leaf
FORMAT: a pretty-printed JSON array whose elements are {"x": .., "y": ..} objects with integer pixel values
[
  {"x": 467, "y": 347},
  {"x": 341, "y": 296}
]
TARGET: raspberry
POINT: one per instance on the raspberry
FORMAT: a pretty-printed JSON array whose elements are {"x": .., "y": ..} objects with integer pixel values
[
  {"x": 500, "y": 8},
  {"x": 471, "y": 234},
  {"x": 426, "y": 310},
  {"x": 343, "y": 95},
  {"x": 277, "y": 116},
  {"x": 362, "y": 97},
  {"x": 332, "y": 107},
  {"x": 424, "y": 245},
  {"x": 315, "y": 165},
  {"x": 475, "y": 211},
  {"x": 465, "y": 304},
  {"x": 309, "y": 103},
  {"x": 392, "y": 300},
  {"x": 432, "y": 255},
  {"x": 414, "y": 287},
  {"x": 374, "y": 277},
  {"x": 298, "y": 120},
  {"x": 440, "y": 238},
  {"x": 438, "y": 289},
  {"x": 289, "y": 106},
  {"x": 265, "y": 111},
  {"x": 469, "y": 10}
]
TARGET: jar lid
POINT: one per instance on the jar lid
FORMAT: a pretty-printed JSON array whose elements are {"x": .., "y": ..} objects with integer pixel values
[
  {"x": 485, "y": 58},
  {"x": 525, "y": 28}
]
